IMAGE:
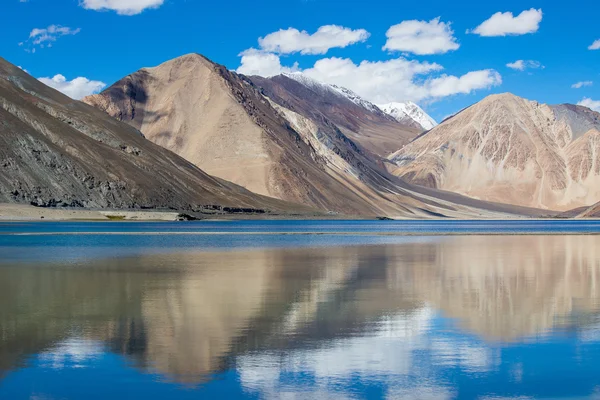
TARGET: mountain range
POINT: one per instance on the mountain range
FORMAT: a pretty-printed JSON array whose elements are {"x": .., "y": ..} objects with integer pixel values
[
  {"x": 288, "y": 137},
  {"x": 190, "y": 134}
]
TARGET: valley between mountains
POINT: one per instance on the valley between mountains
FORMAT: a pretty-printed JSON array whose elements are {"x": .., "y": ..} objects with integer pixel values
[{"x": 190, "y": 135}]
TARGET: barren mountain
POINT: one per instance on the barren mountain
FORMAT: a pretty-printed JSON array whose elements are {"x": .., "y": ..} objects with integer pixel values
[
  {"x": 358, "y": 119},
  {"x": 588, "y": 212},
  {"x": 55, "y": 151},
  {"x": 241, "y": 131},
  {"x": 221, "y": 123},
  {"x": 511, "y": 150}
]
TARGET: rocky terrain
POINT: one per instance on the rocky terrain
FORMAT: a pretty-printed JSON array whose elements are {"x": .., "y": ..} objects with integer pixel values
[
  {"x": 511, "y": 150},
  {"x": 359, "y": 120},
  {"x": 268, "y": 140},
  {"x": 588, "y": 212},
  {"x": 57, "y": 152}
]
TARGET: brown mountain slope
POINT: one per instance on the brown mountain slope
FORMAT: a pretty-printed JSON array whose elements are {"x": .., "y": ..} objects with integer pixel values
[
  {"x": 219, "y": 122},
  {"x": 55, "y": 151},
  {"x": 358, "y": 119},
  {"x": 223, "y": 123},
  {"x": 508, "y": 149},
  {"x": 587, "y": 212}
]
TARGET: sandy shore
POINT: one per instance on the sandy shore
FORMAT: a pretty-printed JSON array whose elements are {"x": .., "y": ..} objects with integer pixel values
[{"x": 18, "y": 212}]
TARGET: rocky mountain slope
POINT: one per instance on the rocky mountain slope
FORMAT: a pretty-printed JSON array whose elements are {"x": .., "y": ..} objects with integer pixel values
[
  {"x": 408, "y": 113},
  {"x": 358, "y": 119},
  {"x": 221, "y": 123},
  {"x": 511, "y": 150},
  {"x": 274, "y": 141},
  {"x": 588, "y": 212},
  {"x": 55, "y": 151}
]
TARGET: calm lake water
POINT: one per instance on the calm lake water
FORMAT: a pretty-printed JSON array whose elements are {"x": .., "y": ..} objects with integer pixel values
[{"x": 343, "y": 310}]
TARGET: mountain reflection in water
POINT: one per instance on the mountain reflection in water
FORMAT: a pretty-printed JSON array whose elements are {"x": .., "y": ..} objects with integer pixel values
[{"x": 419, "y": 318}]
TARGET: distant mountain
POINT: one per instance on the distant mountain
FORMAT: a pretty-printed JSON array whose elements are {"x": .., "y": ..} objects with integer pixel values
[
  {"x": 325, "y": 90},
  {"x": 55, "y": 151},
  {"x": 512, "y": 150},
  {"x": 360, "y": 120},
  {"x": 588, "y": 212},
  {"x": 408, "y": 113},
  {"x": 290, "y": 138}
]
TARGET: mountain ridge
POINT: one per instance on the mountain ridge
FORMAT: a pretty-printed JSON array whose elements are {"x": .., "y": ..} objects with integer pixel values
[
  {"x": 261, "y": 134},
  {"x": 60, "y": 152},
  {"x": 511, "y": 150}
]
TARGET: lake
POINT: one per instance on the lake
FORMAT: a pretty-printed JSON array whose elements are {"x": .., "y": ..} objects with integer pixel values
[{"x": 300, "y": 309}]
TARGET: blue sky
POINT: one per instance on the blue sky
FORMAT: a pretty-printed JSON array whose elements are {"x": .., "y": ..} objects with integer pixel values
[{"x": 103, "y": 44}]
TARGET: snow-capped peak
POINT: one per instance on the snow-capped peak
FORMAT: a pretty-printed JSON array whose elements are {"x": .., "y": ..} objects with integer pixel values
[
  {"x": 350, "y": 95},
  {"x": 304, "y": 80},
  {"x": 407, "y": 112},
  {"x": 333, "y": 89}
]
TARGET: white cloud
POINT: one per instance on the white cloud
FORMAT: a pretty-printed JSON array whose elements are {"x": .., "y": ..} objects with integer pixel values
[
  {"x": 257, "y": 62},
  {"x": 503, "y": 24},
  {"x": 421, "y": 37},
  {"x": 595, "y": 45},
  {"x": 76, "y": 88},
  {"x": 579, "y": 85},
  {"x": 522, "y": 65},
  {"x": 44, "y": 37},
  {"x": 589, "y": 103},
  {"x": 291, "y": 40},
  {"x": 381, "y": 82},
  {"x": 122, "y": 7},
  {"x": 448, "y": 85}
]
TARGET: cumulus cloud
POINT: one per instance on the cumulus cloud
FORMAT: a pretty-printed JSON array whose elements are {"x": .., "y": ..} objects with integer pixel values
[
  {"x": 381, "y": 82},
  {"x": 122, "y": 7},
  {"x": 257, "y": 62},
  {"x": 421, "y": 37},
  {"x": 291, "y": 40},
  {"x": 503, "y": 24},
  {"x": 76, "y": 88},
  {"x": 579, "y": 85},
  {"x": 595, "y": 45},
  {"x": 44, "y": 37},
  {"x": 591, "y": 104},
  {"x": 522, "y": 65},
  {"x": 449, "y": 85}
]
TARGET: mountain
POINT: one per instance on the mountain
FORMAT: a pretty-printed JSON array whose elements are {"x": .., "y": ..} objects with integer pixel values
[
  {"x": 272, "y": 137},
  {"x": 588, "y": 212},
  {"x": 55, "y": 151},
  {"x": 219, "y": 121},
  {"x": 358, "y": 119},
  {"x": 408, "y": 113},
  {"x": 511, "y": 150}
]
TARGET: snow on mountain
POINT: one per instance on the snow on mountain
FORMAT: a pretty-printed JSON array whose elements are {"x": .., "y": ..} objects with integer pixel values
[
  {"x": 333, "y": 89},
  {"x": 349, "y": 94},
  {"x": 408, "y": 111}
]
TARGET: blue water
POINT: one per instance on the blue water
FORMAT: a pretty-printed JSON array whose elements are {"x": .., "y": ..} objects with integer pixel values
[
  {"x": 87, "y": 313},
  {"x": 327, "y": 226}
]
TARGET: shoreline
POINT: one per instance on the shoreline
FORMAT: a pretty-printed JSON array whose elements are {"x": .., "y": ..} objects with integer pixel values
[{"x": 26, "y": 213}]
